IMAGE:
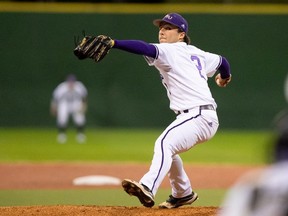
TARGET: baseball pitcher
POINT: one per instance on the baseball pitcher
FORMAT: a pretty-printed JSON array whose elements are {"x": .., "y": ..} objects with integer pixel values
[{"x": 184, "y": 70}]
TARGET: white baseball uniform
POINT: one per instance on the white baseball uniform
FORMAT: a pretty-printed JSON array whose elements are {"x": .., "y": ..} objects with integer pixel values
[
  {"x": 184, "y": 70},
  {"x": 69, "y": 101},
  {"x": 259, "y": 193}
]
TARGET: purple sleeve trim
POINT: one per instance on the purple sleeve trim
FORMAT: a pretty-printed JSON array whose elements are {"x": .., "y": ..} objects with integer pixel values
[
  {"x": 136, "y": 47},
  {"x": 224, "y": 68}
]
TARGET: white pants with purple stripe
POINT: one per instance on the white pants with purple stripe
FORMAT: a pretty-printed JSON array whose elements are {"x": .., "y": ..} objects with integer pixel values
[{"x": 186, "y": 131}]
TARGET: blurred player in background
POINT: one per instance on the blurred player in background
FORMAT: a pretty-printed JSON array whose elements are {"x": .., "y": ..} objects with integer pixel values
[
  {"x": 70, "y": 100},
  {"x": 263, "y": 192}
]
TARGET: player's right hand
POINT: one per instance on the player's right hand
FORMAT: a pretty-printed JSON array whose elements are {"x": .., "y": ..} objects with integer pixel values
[{"x": 222, "y": 82}]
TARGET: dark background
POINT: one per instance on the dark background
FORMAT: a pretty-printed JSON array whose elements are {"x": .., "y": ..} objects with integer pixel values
[
  {"x": 36, "y": 55},
  {"x": 161, "y": 1}
]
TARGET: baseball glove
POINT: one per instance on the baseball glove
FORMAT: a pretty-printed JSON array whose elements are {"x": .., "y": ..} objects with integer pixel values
[{"x": 94, "y": 47}]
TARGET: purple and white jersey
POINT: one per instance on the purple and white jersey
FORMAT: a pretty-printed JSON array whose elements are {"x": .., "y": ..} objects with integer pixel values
[{"x": 174, "y": 61}]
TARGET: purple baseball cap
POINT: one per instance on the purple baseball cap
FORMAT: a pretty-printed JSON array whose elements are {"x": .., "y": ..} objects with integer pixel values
[{"x": 174, "y": 19}]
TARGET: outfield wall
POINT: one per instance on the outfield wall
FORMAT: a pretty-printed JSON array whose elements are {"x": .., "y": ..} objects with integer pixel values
[{"x": 36, "y": 54}]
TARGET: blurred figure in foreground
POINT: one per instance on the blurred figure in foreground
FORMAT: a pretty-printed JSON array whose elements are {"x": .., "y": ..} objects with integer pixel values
[
  {"x": 263, "y": 192},
  {"x": 70, "y": 99}
]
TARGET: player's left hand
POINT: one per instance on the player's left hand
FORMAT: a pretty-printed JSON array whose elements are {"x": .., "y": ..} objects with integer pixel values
[
  {"x": 222, "y": 82},
  {"x": 94, "y": 47},
  {"x": 53, "y": 110},
  {"x": 84, "y": 107}
]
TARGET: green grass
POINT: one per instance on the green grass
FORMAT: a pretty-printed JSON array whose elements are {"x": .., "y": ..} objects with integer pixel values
[
  {"x": 128, "y": 145},
  {"x": 99, "y": 197}
]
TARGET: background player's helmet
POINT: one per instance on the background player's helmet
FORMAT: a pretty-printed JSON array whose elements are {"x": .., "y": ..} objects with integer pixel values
[{"x": 71, "y": 77}]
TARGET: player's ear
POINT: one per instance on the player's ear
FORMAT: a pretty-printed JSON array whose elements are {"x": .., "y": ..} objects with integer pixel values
[{"x": 181, "y": 36}]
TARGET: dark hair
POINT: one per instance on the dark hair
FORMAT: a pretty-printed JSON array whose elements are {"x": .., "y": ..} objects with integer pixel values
[{"x": 186, "y": 38}]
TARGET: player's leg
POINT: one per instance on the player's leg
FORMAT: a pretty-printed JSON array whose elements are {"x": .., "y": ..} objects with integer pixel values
[
  {"x": 62, "y": 121},
  {"x": 162, "y": 159},
  {"x": 194, "y": 131},
  {"x": 160, "y": 166},
  {"x": 182, "y": 193},
  {"x": 147, "y": 187},
  {"x": 161, "y": 162},
  {"x": 179, "y": 136},
  {"x": 79, "y": 121},
  {"x": 179, "y": 180}
]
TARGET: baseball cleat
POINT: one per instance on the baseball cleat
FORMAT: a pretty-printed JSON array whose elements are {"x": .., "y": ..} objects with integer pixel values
[
  {"x": 81, "y": 138},
  {"x": 143, "y": 193},
  {"x": 173, "y": 202},
  {"x": 61, "y": 138}
]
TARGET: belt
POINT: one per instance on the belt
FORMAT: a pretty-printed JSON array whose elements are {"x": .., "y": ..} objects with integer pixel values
[{"x": 202, "y": 107}]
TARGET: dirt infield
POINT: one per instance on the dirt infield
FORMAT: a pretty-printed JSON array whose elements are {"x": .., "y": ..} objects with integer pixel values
[
  {"x": 106, "y": 211},
  {"x": 60, "y": 176}
]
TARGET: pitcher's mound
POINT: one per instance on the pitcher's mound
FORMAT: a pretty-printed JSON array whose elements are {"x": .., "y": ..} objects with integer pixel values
[{"x": 105, "y": 211}]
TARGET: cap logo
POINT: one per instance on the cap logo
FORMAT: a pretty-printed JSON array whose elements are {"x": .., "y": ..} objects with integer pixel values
[{"x": 168, "y": 17}]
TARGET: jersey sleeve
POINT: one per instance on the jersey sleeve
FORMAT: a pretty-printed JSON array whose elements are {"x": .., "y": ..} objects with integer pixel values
[
  {"x": 213, "y": 62},
  {"x": 136, "y": 47},
  {"x": 58, "y": 91},
  {"x": 151, "y": 60},
  {"x": 163, "y": 54}
]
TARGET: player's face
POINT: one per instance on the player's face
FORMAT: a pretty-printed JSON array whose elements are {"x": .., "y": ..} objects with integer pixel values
[
  {"x": 71, "y": 84},
  {"x": 169, "y": 34}
]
